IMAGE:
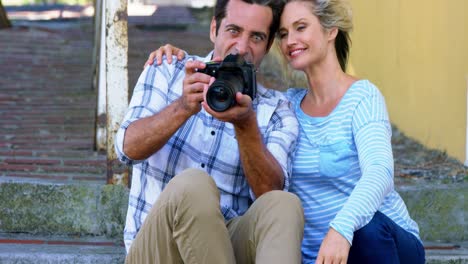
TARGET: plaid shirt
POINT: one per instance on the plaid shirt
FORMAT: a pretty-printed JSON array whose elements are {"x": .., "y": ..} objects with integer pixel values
[{"x": 201, "y": 142}]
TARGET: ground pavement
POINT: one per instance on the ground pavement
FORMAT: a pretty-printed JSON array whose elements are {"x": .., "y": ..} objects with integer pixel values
[{"x": 54, "y": 204}]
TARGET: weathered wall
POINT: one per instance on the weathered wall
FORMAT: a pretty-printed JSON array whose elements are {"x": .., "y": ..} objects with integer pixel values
[{"x": 416, "y": 52}]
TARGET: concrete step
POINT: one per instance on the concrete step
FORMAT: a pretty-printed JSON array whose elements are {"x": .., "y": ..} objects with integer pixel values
[
  {"x": 96, "y": 209},
  {"x": 439, "y": 253},
  {"x": 65, "y": 209},
  {"x": 51, "y": 167},
  {"x": 25, "y": 249},
  {"x": 439, "y": 209}
]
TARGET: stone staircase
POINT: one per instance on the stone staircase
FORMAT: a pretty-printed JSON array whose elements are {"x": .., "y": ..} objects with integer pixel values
[
  {"x": 47, "y": 108},
  {"x": 54, "y": 204}
]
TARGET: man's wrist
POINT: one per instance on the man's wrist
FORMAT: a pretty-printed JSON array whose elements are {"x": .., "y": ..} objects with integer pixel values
[
  {"x": 181, "y": 109},
  {"x": 247, "y": 123}
]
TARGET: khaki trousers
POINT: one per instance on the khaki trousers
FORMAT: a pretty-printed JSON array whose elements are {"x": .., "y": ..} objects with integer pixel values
[{"x": 185, "y": 225}]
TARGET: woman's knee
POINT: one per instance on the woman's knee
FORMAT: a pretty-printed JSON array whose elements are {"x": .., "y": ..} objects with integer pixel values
[
  {"x": 376, "y": 233},
  {"x": 373, "y": 231}
]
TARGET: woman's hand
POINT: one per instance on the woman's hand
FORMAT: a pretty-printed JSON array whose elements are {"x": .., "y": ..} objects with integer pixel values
[
  {"x": 334, "y": 249},
  {"x": 167, "y": 50}
]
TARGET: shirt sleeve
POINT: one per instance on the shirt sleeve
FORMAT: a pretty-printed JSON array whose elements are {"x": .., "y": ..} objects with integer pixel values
[
  {"x": 149, "y": 97},
  {"x": 282, "y": 137},
  {"x": 372, "y": 136}
]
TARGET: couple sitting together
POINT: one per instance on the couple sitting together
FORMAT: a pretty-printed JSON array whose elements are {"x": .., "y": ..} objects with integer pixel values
[{"x": 228, "y": 171}]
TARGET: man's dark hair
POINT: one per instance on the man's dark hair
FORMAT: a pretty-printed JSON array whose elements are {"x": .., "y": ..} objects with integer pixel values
[{"x": 275, "y": 5}]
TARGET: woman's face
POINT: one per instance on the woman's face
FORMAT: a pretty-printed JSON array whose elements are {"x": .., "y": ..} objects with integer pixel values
[{"x": 303, "y": 41}]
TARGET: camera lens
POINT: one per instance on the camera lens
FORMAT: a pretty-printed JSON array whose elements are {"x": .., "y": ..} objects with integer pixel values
[{"x": 220, "y": 96}]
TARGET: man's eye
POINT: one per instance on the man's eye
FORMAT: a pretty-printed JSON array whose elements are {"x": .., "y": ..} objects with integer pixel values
[
  {"x": 257, "y": 38},
  {"x": 233, "y": 31}
]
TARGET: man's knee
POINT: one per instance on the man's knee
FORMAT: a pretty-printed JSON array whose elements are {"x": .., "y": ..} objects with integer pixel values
[
  {"x": 280, "y": 198},
  {"x": 193, "y": 190},
  {"x": 277, "y": 218},
  {"x": 192, "y": 182},
  {"x": 281, "y": 205}
]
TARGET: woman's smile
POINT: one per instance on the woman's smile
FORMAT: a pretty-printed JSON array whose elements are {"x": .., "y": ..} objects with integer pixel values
[{"x": 296, "y": 52}]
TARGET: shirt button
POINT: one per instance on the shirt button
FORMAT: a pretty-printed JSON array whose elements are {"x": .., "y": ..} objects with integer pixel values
[
  {"x": 213, "y": 133},
  {"x": 203, "y": 165}
]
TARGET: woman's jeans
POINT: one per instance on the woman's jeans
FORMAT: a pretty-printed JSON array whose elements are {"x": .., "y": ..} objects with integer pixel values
[{"x": 383, "y": 241}]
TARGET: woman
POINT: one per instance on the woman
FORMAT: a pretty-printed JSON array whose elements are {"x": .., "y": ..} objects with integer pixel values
[{"x": 343, "y": 167}]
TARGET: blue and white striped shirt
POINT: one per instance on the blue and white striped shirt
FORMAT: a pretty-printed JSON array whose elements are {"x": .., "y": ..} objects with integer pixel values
[
  {"x": 343, "y": 167},
  {"x": 202, "y": 142}
]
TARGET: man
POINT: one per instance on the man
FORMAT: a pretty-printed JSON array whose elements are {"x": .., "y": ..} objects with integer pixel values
[{"x": 205, "y": 185}]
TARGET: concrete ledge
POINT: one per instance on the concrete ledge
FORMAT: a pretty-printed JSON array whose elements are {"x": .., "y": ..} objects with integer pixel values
[
  {"x": 438, "y": 253},
  {"x": 78, "y": 254},
  {"x": 37, "y": 254},
  {"x": 443, "y": 258},
  {"x": 439, "y": 210},
  {"x": 63, "y": 209}
]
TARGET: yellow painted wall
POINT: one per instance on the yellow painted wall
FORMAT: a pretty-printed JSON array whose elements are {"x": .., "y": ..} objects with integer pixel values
[{"x": 416, "y": 52}]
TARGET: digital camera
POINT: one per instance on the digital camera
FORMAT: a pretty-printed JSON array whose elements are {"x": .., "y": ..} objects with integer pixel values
[{"x": 232, "y": 75}]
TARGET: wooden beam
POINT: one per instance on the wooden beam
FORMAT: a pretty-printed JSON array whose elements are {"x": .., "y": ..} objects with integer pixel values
[
  {"x": 116, "y": 81},
  {"x": 4, "y": 21}
]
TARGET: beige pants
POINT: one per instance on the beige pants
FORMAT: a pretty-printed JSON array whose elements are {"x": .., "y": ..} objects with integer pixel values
[{"x": 185, "y": 225}]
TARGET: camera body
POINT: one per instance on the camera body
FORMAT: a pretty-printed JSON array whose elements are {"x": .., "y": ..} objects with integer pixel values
[{"x": 232, "y": 75}]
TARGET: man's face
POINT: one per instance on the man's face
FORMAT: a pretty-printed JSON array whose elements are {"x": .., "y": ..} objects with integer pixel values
[{"x": 243, "y": 31}]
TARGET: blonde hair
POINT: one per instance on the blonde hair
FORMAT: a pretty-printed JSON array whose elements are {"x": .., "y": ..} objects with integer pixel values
[{"x": 331, "y": 14}]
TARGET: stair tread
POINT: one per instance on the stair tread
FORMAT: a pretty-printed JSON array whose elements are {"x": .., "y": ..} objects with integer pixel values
[{"x": 65, "y": 248}]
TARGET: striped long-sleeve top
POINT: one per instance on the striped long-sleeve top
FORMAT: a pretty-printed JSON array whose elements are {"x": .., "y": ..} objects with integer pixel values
[{"x": 343, "y": 167}]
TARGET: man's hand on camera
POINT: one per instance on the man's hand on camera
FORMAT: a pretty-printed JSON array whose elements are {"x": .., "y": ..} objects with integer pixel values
[
  {"x": 193, "y": 87},
  {"x": 238, "y": 115}
]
